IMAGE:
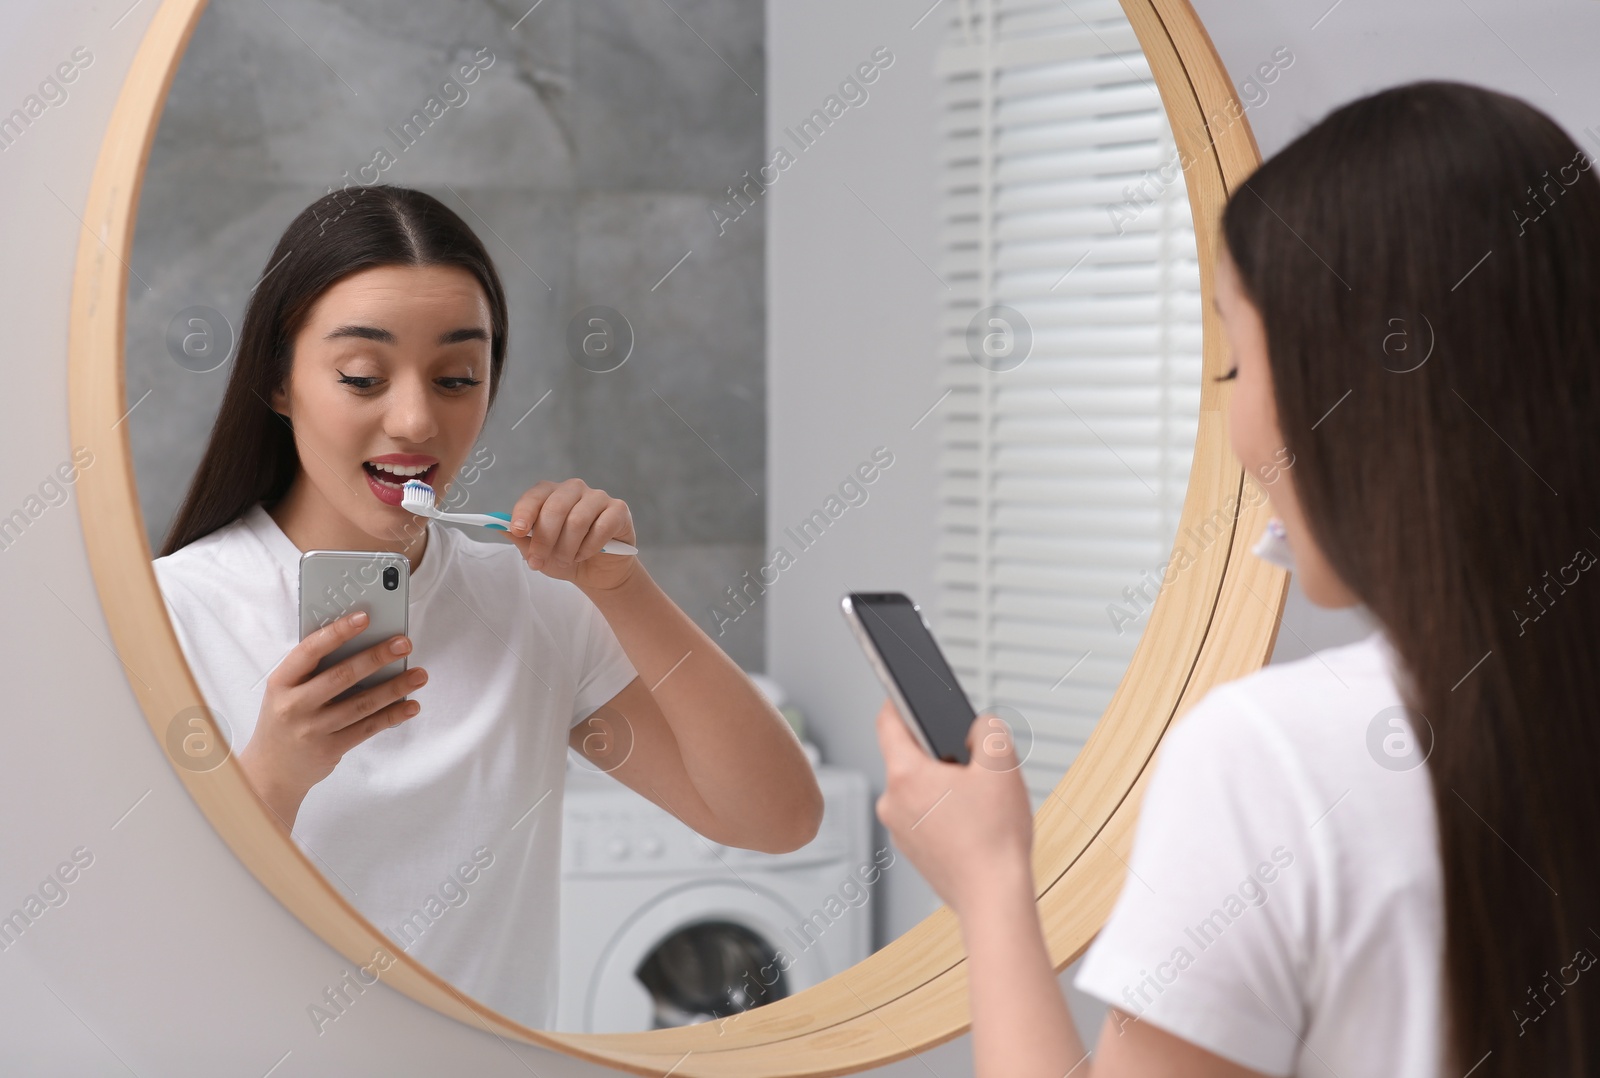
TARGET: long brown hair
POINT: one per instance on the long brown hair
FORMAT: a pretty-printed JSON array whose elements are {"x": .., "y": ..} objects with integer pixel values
[
  {"x": 251, "y": 454},
  {"x": 1432, "y": 252}
]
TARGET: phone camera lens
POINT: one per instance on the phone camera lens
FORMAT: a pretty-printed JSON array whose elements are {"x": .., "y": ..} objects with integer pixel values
[{"x": 391, "y": 578}]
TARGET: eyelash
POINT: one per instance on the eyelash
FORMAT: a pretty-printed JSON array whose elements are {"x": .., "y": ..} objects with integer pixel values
[
  {"x": 1227, "y": 377},
  {"x": 351, "y": 380}
]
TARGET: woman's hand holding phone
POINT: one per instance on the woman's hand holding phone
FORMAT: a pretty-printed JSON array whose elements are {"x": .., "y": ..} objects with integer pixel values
[
  {"x": 968, "y": 828},
  {"x": 300, "y": 736}
]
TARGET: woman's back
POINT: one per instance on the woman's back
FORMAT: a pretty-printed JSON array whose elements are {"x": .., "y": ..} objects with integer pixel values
[{"x": 1285, "y": 877}]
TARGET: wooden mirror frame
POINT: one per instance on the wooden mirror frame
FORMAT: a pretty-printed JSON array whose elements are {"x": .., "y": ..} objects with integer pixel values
[{"x": 1217, "y": 621}]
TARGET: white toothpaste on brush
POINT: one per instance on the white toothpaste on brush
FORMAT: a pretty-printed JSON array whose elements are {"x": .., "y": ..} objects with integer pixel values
[{"x": 1273, "y": 546}]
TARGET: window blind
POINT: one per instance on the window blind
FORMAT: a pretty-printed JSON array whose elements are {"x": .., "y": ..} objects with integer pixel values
[{"x": 1060, "y": 479}]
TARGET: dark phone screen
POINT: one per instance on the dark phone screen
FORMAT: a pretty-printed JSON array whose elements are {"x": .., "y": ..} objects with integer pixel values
[{"x": 919, "y": 669}]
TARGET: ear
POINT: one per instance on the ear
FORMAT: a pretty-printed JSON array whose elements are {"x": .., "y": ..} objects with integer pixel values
[{"x": 280, "y": 402}]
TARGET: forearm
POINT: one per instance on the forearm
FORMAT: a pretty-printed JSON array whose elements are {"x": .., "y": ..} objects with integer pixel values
[
  {"x": 738, "y": 749},
  {"x": 1021, "y": 1027}
]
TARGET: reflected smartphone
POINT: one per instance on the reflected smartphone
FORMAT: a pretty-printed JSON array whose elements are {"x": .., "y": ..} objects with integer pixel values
[
  {"x": 334, "y": 583},
  {"x": 901, "y": 648}
]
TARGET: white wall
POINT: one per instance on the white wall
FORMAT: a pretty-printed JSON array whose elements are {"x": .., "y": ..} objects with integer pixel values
[
  {"x": 168, "y": 958},
  {"x": 851, "y": 329}
]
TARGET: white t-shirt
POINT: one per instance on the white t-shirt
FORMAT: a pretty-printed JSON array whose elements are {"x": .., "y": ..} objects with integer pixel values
[
  {"x": 1283, "y": 906},
  {"x": 426, "y": 827}
]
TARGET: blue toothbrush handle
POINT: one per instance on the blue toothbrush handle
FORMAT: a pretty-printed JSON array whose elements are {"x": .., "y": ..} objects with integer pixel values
[{"x": 614, "y": 546}]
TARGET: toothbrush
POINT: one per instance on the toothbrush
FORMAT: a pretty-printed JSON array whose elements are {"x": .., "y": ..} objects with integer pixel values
[
  {"x": 417, "y": 497},
  {"x": 1273, "y": 546}
]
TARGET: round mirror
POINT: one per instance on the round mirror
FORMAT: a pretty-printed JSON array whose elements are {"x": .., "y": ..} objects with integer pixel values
[{"x": 1084, "y": 521}]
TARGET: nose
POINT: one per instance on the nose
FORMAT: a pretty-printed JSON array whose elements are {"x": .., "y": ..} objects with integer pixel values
[{"x": 410, "y": 417}]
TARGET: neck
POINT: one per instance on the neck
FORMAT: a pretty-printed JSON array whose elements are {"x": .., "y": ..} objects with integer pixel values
[{"x": 312, "y": 523}]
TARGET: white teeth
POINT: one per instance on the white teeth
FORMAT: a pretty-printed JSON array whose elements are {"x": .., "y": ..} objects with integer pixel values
[{"x": 401, "y": 470}]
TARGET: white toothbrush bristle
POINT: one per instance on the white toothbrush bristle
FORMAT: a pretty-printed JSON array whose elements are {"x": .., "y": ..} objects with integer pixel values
[{"x": 416, "y": 496}]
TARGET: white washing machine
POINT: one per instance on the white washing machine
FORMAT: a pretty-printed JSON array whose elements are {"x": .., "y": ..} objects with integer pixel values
[{"x": 662, "y": 927}]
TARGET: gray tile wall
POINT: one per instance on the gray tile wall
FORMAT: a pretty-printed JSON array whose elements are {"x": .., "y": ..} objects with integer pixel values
[{"x": 588, "y": 156}]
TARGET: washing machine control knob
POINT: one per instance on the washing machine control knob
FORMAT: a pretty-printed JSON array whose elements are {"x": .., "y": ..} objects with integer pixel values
[
  {"x": 651, "y": 846},
  {"x": 617, "y": 849}
]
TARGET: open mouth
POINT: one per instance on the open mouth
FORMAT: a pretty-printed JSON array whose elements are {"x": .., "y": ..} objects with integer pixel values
[{"x": 395, "y": 478}]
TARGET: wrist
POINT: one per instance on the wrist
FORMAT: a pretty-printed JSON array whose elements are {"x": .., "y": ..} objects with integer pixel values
[
  {"x": 630, "y": 586},
  {"x": 1003, "y": 888}
]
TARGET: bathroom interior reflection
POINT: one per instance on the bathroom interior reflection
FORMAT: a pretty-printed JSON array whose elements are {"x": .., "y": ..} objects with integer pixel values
[{"x": 620, "y": 158}]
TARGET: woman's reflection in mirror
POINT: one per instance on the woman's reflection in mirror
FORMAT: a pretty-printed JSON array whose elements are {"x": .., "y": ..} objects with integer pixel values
[{"x": 372, "y": 350}]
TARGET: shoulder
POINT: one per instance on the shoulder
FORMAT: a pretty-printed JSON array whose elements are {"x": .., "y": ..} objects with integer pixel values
[
  {"x": 1316, "y": 753},
  {"x": 191, "y": 566},
  {"x": 207, "y": 546},
  {"x": 1305, "y": 750},
  {"x": 1312, "y": 712},
  {"x": 1358, "y": 669}
]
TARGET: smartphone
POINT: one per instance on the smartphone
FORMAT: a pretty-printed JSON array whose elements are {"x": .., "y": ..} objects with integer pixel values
[
  {"x": 334, "y": 583},
  {"x": 901, "y": 648}
]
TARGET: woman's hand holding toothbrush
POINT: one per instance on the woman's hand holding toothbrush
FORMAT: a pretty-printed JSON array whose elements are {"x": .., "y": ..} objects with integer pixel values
[{"x": 560, "y": 528}]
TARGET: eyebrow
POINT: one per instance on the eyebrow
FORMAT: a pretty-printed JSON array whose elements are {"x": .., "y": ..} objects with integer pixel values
[{"x": 383, "y": 336}]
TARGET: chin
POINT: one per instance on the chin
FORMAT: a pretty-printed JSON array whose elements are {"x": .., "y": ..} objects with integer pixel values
[
  {"x": 1310, "y": 587},
  {"x": 1329, "y": 594}
]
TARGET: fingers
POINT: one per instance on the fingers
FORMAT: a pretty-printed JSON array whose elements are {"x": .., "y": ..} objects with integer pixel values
[
  {"x": 351, "y": 711},
  {"x": 580, "y": 520},
  {"x": 565, "y": 523},
  {"x": 882, "y": 807},
  {"x": 340, "y": 676},
  {"x": 528, "y": 507},
  {"x": 544, "y": 509},
  {"x": 991, "y": 743},
  {"x": 390, "y": 716},
  {"x": 612, "y": 522},
  {"x": 900, "y": 762},
  {"x": 907, "y": 767},
  {"x": 302, "y": 660},
  {"x": 893, "y": 738}
]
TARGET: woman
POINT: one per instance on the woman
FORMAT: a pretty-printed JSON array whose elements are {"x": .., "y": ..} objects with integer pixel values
[
  {"x": 1379, "y": 859},
  {"x": 376, "y": 340}
]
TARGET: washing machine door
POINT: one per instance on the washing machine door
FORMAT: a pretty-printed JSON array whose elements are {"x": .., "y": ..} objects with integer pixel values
[{"x": 701, "y": 951}]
